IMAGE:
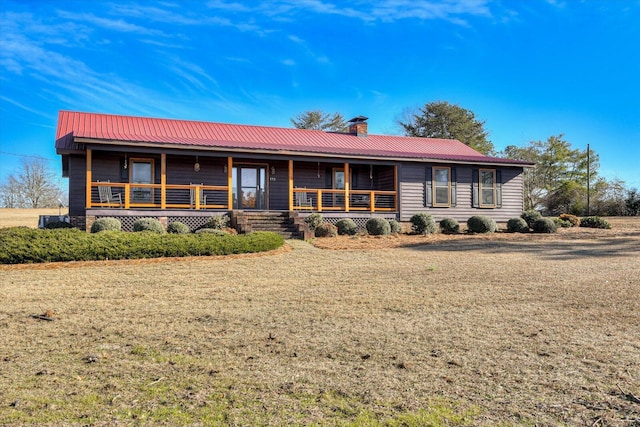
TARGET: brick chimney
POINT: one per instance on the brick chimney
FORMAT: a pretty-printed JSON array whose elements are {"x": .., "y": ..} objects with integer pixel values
[{"x": 358, "y": 125}]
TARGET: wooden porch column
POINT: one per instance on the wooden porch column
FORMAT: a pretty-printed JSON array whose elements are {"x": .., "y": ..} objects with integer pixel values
[
  {"x": 163, "y": 181},
  {"x": 230, "y": 182},
  {"x": 88, "y": 183},
  {"x": 346, "y": 187},
  {"x": 290, "y": 185}
]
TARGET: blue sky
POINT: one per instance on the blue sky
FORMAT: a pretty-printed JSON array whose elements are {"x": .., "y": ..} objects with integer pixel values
[{"x": 530, "y": 69}]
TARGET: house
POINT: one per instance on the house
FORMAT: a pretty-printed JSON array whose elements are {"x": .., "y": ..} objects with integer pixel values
[{"x": 131, "y": 167}]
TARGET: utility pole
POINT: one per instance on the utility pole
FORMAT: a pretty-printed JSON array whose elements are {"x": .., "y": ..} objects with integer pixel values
[{"x": 588, "y": 181}]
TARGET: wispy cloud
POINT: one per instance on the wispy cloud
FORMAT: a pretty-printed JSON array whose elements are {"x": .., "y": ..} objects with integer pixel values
[
  {"x": 454, "y": 11},
  {"x": 118, "y": 25},
  {"x": 24, "y": 107}
]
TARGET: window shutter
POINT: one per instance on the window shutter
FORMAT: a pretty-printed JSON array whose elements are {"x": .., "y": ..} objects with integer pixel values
[
  {"x": 328, "y": 178},
  {"x": 498, "y": 188},
  {"x": 428, "y": 188},
  {"x": 454, "y": 199},
  {"x": 354, "y": 178},
  {"x": 475, "y": 200}
]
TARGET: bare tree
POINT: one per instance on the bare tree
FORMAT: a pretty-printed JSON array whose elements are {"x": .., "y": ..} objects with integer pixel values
[{"x": 34, "y": 186}]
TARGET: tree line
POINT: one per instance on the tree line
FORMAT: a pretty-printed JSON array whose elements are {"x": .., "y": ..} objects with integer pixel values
[{"x": 558, "y": 183}]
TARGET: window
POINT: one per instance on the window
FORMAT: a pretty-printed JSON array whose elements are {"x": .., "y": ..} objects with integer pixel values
[
  {"x": 141, "y": 171},
  {"x": 441, "y": 187},
  {"x": 487, "y": 180}
]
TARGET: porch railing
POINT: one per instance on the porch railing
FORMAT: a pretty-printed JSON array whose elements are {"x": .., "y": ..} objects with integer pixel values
[
  {"x": 334, "y": 200},
  {"x": 174, "y": 196}
]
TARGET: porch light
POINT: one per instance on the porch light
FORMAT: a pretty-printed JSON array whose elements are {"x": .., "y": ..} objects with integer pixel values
[
  {"x": 225, "y": 169},
  {"x": 196, "y": 165},
  {"x": 273, "y": 170}
]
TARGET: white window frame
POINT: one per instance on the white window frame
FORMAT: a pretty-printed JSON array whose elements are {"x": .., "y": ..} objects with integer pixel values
[
  {"x": 493, "y": 189},
  {"x": 435, "y": 186}
]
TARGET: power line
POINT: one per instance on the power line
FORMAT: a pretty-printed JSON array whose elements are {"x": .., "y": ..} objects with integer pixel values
[{"x": 25, "y": 155}]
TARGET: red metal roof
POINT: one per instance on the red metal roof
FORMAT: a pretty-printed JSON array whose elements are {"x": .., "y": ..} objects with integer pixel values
[{"x": 113, "y": 129}]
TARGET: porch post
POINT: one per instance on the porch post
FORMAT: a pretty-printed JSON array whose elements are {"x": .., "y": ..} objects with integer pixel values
[
  {"x": 230, "y": 182},
  {"x": 346, "y": 187},
  {"x": 290, "y": 185},
  {"x": 88, "y": 176},
  {"x": 396, "y": 188},
  {"x": 163, "y": 181}
]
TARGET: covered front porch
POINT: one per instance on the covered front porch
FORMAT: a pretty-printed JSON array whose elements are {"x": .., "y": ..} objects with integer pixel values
[{"x": 206, "y": 182}]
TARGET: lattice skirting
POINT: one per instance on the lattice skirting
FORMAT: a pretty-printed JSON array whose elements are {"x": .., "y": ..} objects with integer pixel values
[
  {"x": 193, "y": 222},
  {"x": 360, "y": 221}
]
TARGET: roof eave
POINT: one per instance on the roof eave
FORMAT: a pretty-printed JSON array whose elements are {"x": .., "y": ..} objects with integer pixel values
[{"x": 491, "y": 162}]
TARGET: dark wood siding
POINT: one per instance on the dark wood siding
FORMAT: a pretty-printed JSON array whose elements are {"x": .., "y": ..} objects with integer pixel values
[
  {"x": 412, "y": 189},
  {"x": 77, "y": 184}
]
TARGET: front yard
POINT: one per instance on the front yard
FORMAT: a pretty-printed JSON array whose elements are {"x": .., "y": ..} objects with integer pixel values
[{"x": 470, "y": 330}]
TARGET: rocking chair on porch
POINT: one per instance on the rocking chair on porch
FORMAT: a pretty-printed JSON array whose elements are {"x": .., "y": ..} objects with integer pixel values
[
  {"x": 107, "y": 196},
  {"x": 192, "y": 193},
  {"x": 302, "y": 200}
]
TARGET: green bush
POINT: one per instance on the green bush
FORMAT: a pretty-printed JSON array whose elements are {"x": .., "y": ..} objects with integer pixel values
[
  {"x": 423, "y": 223},
  {"x": 326, "y": 229},
  {"x": 215, "y": 231},
  {"x": 314, "y": 220},
  {"x": 544, "y": 225},
  {"x": 57, "y": 224},
  {"x": 148, "y": 224},
  {"x": 217, "y": 222},
  {"x": 517, "y": 225},
  {"x": 481, "y": 224},
  {"x": 530, "y": 217},
  {"x": 106, "y": 224},
  {"x": 574, "y": 220},
  {"x": 378, "y": 227},
  {"x": 594, "y": 222},
  {"x": 346, "y": 226},
  {"x": 559, "y": 222},
  {"x": 449, "y": 226},
  {"x": 396, "y": 228},
  {"x": 20, "y": 245},
  {"x": 178, "y": 227}
]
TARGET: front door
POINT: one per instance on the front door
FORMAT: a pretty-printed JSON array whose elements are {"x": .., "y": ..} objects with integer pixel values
[{"x": 249, "y": 187}]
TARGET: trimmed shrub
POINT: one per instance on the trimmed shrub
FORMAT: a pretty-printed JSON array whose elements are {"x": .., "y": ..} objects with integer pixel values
[
  {"x": 481, "y": 224},
  {"x": 106, "y": 224},
  {"x": 215, "y": 231},
  {"x": 378, "y": 227},
  {"x": 396, "y": 228},
  {"x": 217, "y": 221},
  {"x": 594, "y": 222},
  {"x": 148, "y": 224},
  {"x": 326, "y": 229},
  {"x": 517, "y": 225},
  {"x": 57, "y": 224},
  {"x": 544, "y": 225},
  {"x": 449, "y": 226},
  {"x": 574, "y": 220},
  {"x": 531, "y": 216},
  {"x": 314, "y": 220},
  {"x": 346, "y": 226},
  {"x": 23, "y": 245},
  {"x": 178, "y": 227},
  {"x": 559, "y": 222},
  {"x": 423, "y": 223}
]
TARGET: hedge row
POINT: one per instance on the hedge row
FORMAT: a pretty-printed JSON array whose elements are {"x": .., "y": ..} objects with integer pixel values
[{"x": 22, "y": 245}]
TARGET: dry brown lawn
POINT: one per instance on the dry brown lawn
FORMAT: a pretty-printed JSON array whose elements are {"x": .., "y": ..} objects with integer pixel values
[
  {"x": 511, "y": 330},
  {"x": 25, "y": 217}
]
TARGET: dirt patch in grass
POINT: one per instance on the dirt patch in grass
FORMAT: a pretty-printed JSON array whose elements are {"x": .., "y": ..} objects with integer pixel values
[{"x": 541, "y": 330}]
